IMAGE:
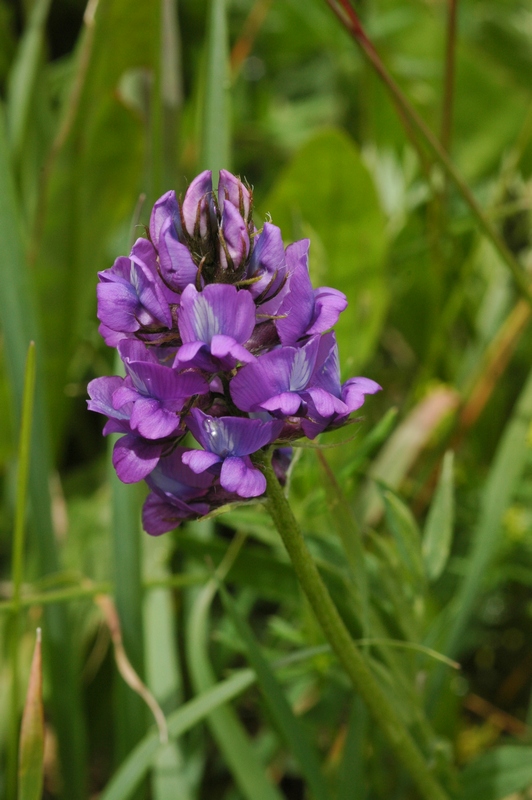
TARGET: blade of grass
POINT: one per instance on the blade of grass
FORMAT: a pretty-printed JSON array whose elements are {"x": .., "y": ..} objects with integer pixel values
[
  {"x": 130, "y": 713},
  {"x": 448, "y": 90},
  {"x": 291, "y": 728},
  {"x": 18, "y": 562},
  {"x": 506, "y": 469},
  {"x": 348, "y": 530},
  {"x": 438, "y": 531},
  {"x": 239, "y": 755},
  {"x": 351, "y": 784},
  {"x": 216, "y": 138},
  {"x": 135, "y": 767},
  {"x": 23, "y": 75},
  {"x": 30, "y": 781},
  {"x": 162, "y": 668},
  {"x": 20, "y": 325}
]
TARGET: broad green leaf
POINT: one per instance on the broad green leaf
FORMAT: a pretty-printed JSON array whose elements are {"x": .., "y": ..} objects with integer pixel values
[
  {"x": 438, "y": 531},
  {"x": 93, "y": 179},
  {"x": 497, "y": 774},
  {"x": 327, "y": 187},
  {"x": 291, "y": 728},
  {"x": 20, "y": 325},
  {"x": 31, "y": 756}
]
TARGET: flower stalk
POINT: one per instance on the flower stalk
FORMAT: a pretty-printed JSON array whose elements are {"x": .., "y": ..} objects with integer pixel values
[{"x": 341, "y": 642}]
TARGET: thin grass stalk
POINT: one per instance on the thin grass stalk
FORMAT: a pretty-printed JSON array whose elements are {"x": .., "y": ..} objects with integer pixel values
[
  {"x": 343, "y": 645},
  {"x": 349, "y": 18},
  {"x": 130, "y": 712},
  {"x": 448, "y": 83},
  {"x": 18, "y": 567}
]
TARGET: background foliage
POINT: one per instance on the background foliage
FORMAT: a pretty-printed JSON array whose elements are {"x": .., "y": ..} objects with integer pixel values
[{"x": 103, "y": 109}]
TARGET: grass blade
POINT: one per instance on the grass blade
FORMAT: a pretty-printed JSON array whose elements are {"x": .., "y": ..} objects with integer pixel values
[
  {"x": 438, "y": 532},
  {"x": 240, "y": 757},
  {"x": 215, "y": 140},
  {"x": 135, "y": 767},
  {"x": 292, "y": 730},
  {"x": 162, "y": 668},
  {"x": 18, "y": 561},
  {"x": 351, "y": 773},
  {"x": 32, "y": 733},
  {"x": 130, "y": 713},
  {"x": 23, "y": 76},
  {"x": 506, "y": 470},
  {"x": 406, "y": 534}
]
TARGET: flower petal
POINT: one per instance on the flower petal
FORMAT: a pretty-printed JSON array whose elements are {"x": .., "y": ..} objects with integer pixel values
[
  {"x": 200, "y": 460},
  {"x": 134, "y": 458},
  {"x": 237, "y": 475}
]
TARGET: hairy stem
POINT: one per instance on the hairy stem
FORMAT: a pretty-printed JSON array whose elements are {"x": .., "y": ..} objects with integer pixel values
[{"x": 341, "y": 642}]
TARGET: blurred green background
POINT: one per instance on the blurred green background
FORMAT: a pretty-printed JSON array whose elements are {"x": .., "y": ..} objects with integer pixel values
[{"x": 104, "y": 108}]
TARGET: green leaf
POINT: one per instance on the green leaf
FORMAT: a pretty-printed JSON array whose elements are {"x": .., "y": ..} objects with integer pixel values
[
  {"x": 327, "y": 187},
  {"x": 497, "y": 774},
  {"x": 438, "y": 531},
  {"x": 406, "y": 534},
  {"x": 31, "y": 755},
  {"x": 92, "y": 180},
  {"x": 20, "y": 325},
  {"x": 292, "y": 730}
]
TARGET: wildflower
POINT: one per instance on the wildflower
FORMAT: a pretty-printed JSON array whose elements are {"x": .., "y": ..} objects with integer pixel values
[{"x": 222, "y": 337}]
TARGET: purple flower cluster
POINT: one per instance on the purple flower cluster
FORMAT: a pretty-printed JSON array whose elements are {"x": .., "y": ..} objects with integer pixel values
[{"x": 222, "y": 336}]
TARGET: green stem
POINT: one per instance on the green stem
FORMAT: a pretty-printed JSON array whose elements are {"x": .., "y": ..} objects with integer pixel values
[
  {"x": 450, "y": 48},
  {"x": 341, "y": 642},
  {"x": 18, "y": 562}
]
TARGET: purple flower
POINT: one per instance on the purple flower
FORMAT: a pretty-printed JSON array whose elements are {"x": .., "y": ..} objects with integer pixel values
[
  {"x": 304, "y": 310},
  {"x": 232, "y": 189},
  {"x": 133, "y": 456},
  {"x": 330, "y": 403},
  {"x": 214, "y": 324},
  {"x": 234, "y": 239},
  {"x": 177, "y": 494},
  {"x": 166, "y": 208},
  {"x": 221, "y": 335},
  {"x": 228, "y": 443},
  {"x": 277, "y": 381},
  {"x": 197, "y": 211},
  {"x": 156, "y": 392},
  {"x": 268, "y": 266},
  {"x": 129, "y": 297}
]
